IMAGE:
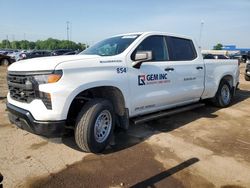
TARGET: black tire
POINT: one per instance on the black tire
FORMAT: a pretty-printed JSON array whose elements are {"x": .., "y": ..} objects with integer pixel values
[
  {"x": 247, "y": 78},
  {"x": 5, "y": 62},
  {"x": 85, "y": 136},
  {"x": 218, "y": 98}
]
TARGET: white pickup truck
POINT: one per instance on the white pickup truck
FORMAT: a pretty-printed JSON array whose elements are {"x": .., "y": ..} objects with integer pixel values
[{"x": 138, "y": 76}]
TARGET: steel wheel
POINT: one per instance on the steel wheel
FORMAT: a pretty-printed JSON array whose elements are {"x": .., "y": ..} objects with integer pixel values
[
  {"x": 225, "y": 94},
  {"x": 102, "y": 126},
  {"x": 95, "y": 125}
]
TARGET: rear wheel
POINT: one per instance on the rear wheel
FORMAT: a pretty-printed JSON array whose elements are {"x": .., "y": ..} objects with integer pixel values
[
  {"x": 94, "y": 125},
  {"x": 224, "y": 95},
  {"x": 247, "y": 78}
]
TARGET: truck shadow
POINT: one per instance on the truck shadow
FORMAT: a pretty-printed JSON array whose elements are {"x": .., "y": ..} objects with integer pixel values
[
  {"x": 2, "y": 98},
  {"x": 138, "y": 133},
  {"x": 150, "y": 182}
]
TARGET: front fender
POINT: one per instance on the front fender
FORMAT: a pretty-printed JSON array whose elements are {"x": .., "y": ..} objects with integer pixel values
[{"x": 91, "y": 85}]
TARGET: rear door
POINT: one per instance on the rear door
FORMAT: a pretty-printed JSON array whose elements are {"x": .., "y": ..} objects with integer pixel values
[{"x": 188, "y": 68}]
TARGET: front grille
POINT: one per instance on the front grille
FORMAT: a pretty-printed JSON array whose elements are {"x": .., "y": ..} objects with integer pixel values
[{"x": 21, "y": 87}]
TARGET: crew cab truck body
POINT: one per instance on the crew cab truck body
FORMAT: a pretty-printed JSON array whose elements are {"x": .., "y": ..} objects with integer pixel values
[{"x": 118, "y": 79}]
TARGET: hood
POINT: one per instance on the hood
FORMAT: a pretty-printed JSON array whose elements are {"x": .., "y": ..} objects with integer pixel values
[{"x": 46, "y": 63}]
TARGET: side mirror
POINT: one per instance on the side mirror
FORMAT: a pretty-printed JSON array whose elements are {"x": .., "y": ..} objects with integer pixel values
[{"x": 140, "y": 57}]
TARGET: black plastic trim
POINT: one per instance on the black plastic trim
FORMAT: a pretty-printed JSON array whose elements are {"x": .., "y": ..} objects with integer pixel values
[{"x": 24, "y": 120}]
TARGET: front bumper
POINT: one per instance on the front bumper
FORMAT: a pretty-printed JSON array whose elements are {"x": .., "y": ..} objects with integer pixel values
[{"x": 24, "y": 120}]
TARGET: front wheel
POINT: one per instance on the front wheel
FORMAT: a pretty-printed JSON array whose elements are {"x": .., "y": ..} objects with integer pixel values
[
  {"x": 94, "y": 125},
  {"x": 223, "y": 95}
]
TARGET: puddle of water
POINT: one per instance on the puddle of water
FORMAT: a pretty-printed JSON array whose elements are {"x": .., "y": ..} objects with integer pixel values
[{"x": 127, "y": 167}]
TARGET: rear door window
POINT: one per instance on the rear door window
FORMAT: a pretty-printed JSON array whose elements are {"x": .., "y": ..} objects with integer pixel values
[{"x": 180, "y": 49}]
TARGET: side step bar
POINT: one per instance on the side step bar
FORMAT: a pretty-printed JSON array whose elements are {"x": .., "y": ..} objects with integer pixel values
[{"x": 170, "y": 112}]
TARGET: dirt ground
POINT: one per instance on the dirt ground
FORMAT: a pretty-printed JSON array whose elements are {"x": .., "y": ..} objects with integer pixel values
[{"x": 205, "y": 147}]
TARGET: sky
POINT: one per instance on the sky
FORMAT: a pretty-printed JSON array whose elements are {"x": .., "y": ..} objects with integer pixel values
[{"x": 217, "y": 21}]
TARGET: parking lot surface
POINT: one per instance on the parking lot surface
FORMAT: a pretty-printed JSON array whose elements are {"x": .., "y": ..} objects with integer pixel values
[{"x": 205, "y": 147}]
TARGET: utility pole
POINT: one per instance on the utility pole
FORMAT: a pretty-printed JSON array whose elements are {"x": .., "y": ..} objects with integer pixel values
[
  {"x": 13, "y": 39},
  {"x": 70, "y": 38},
  {"x": 67, "y": 30},
  {"x": 201, "y": 28},
  {"x": 7, "y": 41}
]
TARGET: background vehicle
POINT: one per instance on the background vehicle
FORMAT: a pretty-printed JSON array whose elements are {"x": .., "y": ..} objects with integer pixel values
[
  {"x": 247, "y": 73},
  {"x": 213, "y": 56},
  {"x": 245, "y": 57},
  {"x": 38, "y": 53},
  {"x": 32, "y": 54},
  {"x": 235, "y": 56},
  {"x": 126, "y": 77},
  {"x": 5, "y": 60},
  {"x": 72, "y": 53},
  {"x": 7, "y": 51},
  {"x": 60, "y": 52}
]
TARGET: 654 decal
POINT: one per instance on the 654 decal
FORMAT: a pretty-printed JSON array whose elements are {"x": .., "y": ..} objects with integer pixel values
[
  {"x": 147, "y": 79},
  {"x": 121, "y": 70}
]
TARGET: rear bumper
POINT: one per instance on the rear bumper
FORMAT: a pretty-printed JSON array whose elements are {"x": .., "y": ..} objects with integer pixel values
[{"x": 24, "y": 120}]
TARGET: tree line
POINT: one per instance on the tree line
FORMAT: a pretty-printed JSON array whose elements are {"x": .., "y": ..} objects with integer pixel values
[
  {"x": 218, "y": 46},
  {"x": 48, "y": 44},
  {"x": 52, "y": 44}
]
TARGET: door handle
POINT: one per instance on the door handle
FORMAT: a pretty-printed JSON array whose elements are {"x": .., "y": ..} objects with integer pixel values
[
  {"x": 199, "y": 68},
  {"x": 169, "y": 69}
]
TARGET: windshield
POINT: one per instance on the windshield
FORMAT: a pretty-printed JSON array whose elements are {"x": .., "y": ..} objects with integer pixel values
[{"x": 111, "y": 46}]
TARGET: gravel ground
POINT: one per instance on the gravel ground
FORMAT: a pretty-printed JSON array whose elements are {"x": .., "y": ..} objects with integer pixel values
[{"x": 206, "y": 147}]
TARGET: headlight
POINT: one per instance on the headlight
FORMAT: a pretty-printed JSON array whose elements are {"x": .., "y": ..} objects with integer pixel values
[
  {"x": 48, "y": 78},
  {"x": 45, "y": 78}
]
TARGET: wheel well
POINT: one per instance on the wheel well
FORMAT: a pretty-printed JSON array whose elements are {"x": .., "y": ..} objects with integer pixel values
[
  {"x": 113, "y": 94},
  {"x": 229, "y": 79},
  {"x": 2, "y": 60}
]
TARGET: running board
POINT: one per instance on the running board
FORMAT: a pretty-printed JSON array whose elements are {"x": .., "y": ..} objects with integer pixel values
[{"x": 170, "y": 112}]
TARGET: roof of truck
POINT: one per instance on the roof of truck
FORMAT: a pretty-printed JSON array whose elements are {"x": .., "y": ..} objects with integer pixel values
[{"x": 155, "y": 33}]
